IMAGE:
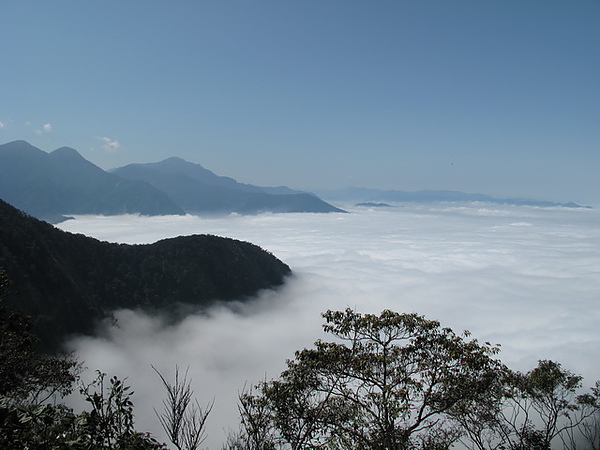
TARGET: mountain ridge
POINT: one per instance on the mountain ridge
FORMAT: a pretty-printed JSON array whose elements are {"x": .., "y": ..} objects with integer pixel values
[
  {"x": 68, "y": 282},
  {"x": 52, "y": 186},
  {"x": 198, "y": 190},
  {"x": 367, "y": 195}
]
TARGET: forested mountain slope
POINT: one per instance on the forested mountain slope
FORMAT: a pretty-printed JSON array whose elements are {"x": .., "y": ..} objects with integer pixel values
[{"x": 67, "y": 282}]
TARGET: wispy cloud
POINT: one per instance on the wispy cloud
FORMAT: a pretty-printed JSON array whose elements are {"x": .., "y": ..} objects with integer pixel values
[
  {"x": 45, "y": 128},
  {"x": 526, "y": 278},
  {"x": 110, "y": 145},
  {"x": 2, "y": 125}
]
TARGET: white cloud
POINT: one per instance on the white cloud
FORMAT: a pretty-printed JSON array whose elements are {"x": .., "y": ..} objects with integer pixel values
[
  {"x": 45, "y": 128},
  {"x": 110, "y": 145},
  {"x": 2, "y": 125},
  {"x": 534, "y": 289}
]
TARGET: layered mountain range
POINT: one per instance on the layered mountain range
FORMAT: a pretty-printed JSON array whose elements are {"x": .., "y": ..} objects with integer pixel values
[
  {"x": 53, "y": 185},
  {"x": 199, "y": 191},
  {"x": 382, "y": 198},
  {"x": 68, "y": 282}
]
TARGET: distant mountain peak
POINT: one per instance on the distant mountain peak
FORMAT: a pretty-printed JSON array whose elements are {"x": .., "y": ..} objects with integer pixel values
[
  {"x": 19, "y": 142},
  {"x": 20, "y": 146},
  {"x": 198, "y": 190},
  {"x": 177, "y": 160},
  {"x": 66, "y": 152},
  {"x": 176, "y": 165},
  {"x": 52, "y": 185},
  {"x": 61, "y": 183}
]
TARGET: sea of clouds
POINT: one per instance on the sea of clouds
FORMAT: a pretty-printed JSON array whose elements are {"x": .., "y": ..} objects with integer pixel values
[{"x": 526, "y": 278}]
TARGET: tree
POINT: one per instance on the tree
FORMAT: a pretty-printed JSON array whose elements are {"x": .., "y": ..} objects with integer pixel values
[
  {"x": 25, "y": 373},
  {"x": 589, "y": 428},
  {"x": 30, "y": 380},
  {"x": 388, "y": 382},
  {"x": 110, "y": 423},
  {"x": 256, "y": 429},
  {"x": 534, "y": 409},
  {"x": 183, "y": 419}
]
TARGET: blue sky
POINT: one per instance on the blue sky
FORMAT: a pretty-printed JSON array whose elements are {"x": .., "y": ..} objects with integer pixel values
[{"x": 498, "y": 97}]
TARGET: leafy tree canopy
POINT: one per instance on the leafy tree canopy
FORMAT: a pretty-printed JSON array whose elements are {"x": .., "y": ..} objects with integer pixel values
[{"x": 401, "y": 381}]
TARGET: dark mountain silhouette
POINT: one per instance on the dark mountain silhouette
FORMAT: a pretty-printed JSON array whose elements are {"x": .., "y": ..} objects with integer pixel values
[
  {"x": 53, "y": 185},
  {"x": 353, "y": 194},
  {"x": 49, "y": 185},
  {"x": 67, "y": 282},
  {"x": 198, "y": 190}
]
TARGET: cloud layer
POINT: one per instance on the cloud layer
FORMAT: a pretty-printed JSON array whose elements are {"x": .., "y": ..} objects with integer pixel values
[{"x": 526, "y": 278}]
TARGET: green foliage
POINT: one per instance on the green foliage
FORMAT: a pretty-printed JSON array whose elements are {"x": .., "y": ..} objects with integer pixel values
[
  {"x": 109, "y": 424},
  {"x": 541, "y": 407},
  {"x": 24, "y": 373},
  {"x": 393, "y": 381},
  {"x": 400, "y": 381},
  {"x": 31, "y": 384},
  {"x": 389, "y": 381}
]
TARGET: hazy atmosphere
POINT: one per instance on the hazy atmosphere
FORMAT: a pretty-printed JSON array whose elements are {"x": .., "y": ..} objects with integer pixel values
[
  {"x": 496, "y": 98},
  {"x": 526, "y": 278},
  {"x": 493, "y": 97}
]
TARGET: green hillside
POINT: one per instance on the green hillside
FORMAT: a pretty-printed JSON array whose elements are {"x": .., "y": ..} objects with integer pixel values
[{"x": 68, "y": 282}]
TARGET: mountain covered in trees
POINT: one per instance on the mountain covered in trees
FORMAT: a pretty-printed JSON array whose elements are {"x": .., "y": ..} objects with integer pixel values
[
  {"x": 198, "y": 190},
  {"x": 53, "y": 185},
  {"x": 67, "y": 282}
]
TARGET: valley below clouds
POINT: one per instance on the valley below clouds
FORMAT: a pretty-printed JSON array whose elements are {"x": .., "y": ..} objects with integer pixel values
[{"x": 524, "y": 277}]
